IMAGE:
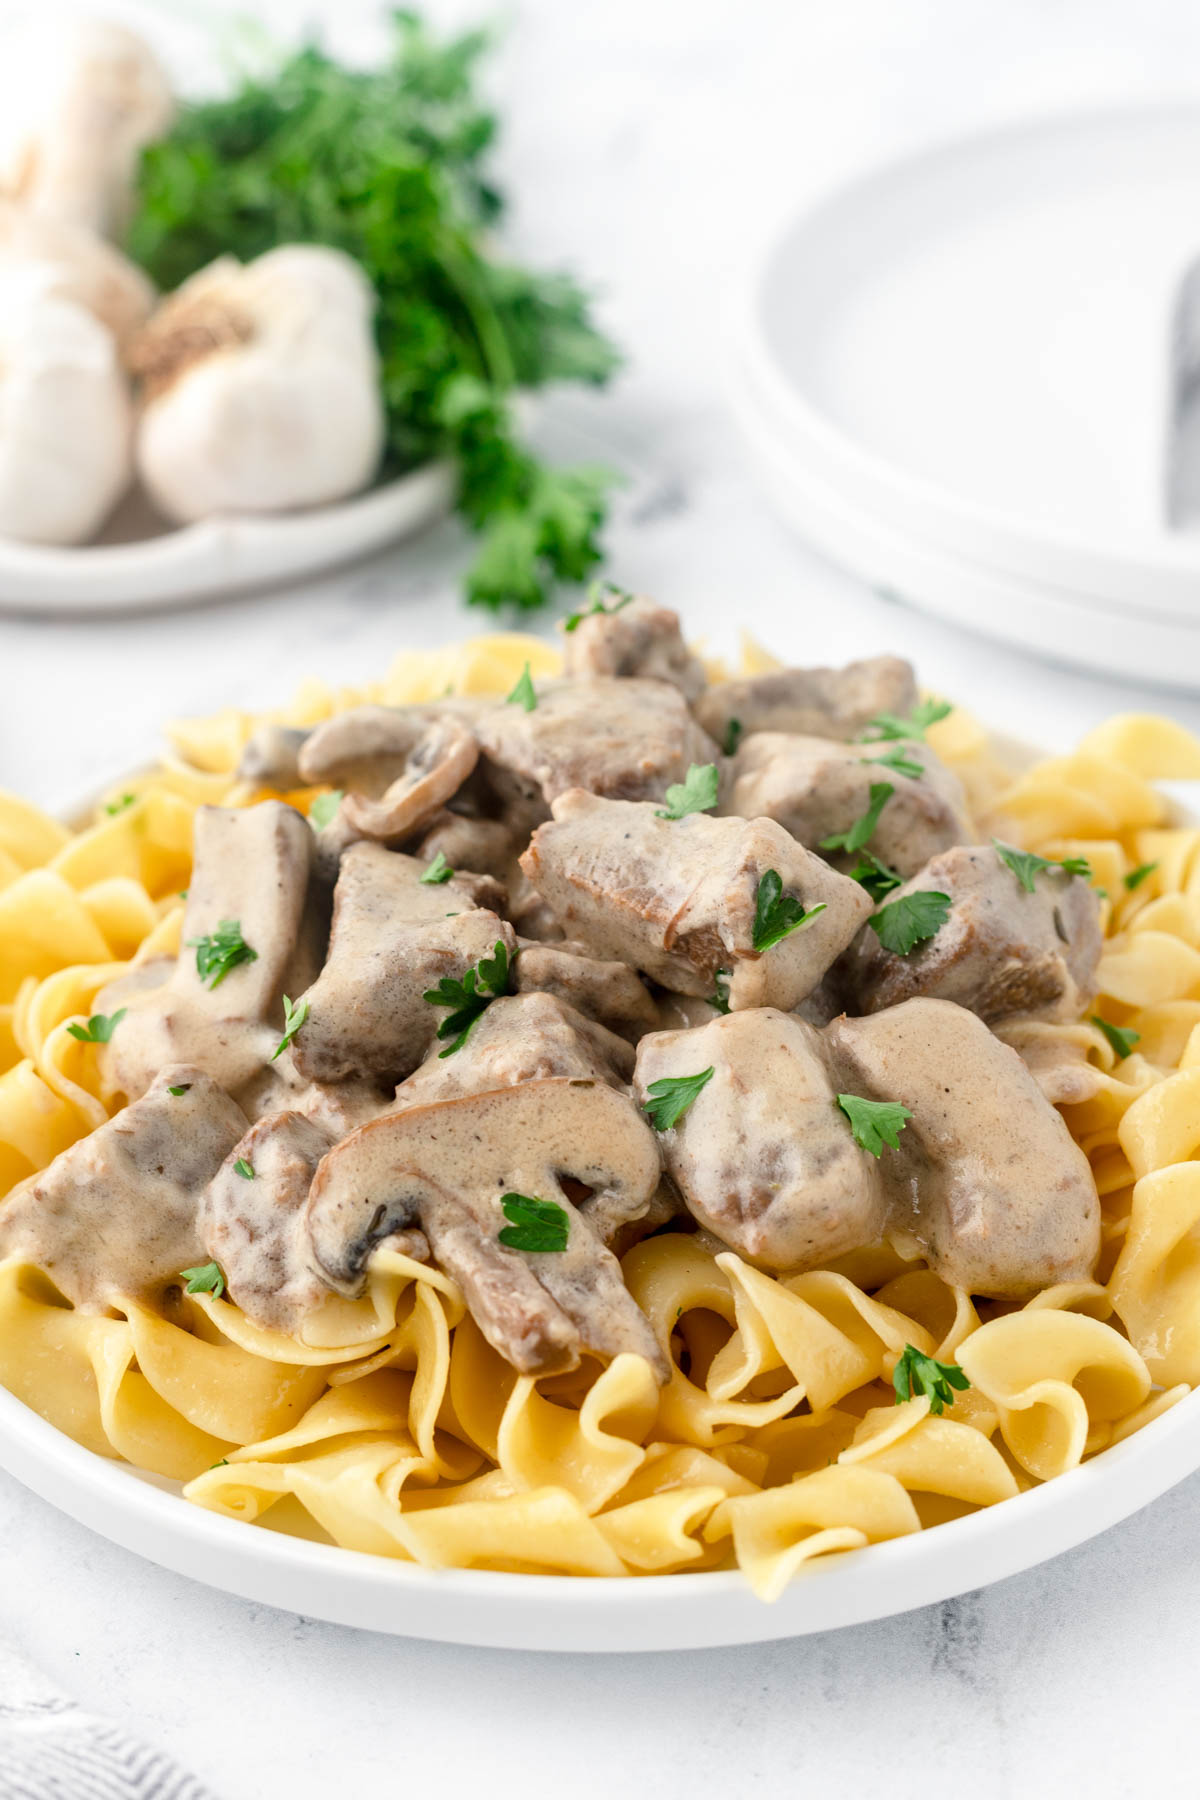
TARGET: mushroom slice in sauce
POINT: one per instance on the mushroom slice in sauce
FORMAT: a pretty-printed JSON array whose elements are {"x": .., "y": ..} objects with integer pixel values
[
  {"x": 816, "y": 788},
  {"x": 252, "y": 867},
  {"x": 763, "y": 1157},
  {"x": 271, "y": 757},
  {"x": 393, "y": 938},
  {"x": 610, "y": 992},
  {"x": 633, "y": 638},
  {"x": 829, "y": 703},
  {"x": 987, "y": 1178},
  {"x": 523, "y": 1037},
  {"x": 115, "y": 1214},
  {"x": 677, "y": 898},
  {"x": 1001, "y": 952},
  {"x": 447, "y": 1167},
  {"x": 399, "y": 765}
]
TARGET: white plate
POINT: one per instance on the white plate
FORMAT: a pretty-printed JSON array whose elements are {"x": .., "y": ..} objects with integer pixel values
[
  {"x": 143, "y": 562},
  {"x": 972, "y": 344}
]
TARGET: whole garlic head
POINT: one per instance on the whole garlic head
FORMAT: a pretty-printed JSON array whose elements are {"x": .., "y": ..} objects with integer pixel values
[
  {"x": 85, "y": 268},
  {"x": 260, "y": 386},
  {"x": 66, "y": 418},
  {"x": 76, "y": 109}
]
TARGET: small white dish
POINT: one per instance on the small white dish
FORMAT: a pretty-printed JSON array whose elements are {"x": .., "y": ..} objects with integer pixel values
[{"x": 142, "y": 562}]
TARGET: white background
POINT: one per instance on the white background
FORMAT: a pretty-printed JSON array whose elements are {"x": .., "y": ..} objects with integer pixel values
[{"x": 651, "y": 145}]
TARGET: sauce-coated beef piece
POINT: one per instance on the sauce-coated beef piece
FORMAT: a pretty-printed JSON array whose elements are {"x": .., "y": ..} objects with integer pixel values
[
  {"x": 633, "y": 638},
  {"x": 522, "y": 1037},
  {"x": 610, "y": 992},
  {"x": 829, "y": 703}
]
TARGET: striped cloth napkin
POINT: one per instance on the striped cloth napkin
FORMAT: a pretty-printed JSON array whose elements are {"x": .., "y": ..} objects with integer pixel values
[{"x": 51, "y": 1750}]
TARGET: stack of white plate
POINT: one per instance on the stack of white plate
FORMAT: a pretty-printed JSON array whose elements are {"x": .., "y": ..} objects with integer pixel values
[{"x": 953, "y": 376}]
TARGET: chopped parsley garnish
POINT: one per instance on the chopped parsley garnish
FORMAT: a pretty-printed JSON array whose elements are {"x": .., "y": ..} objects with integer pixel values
[
  {"x": 901, "y": 764},
  {"x": 523, "y": 694},
  {"x": 916, "y": 1373},
  {"x": 697, "y": 794},
  {"x": 874, "y": 1122},
  {"x": 889, "y": 727},
  {"x": 208, "y": 1278},
  {"x": 904, "y": 923},
  {"x": 222, "y": 950},
  {"x": 244, "y": 1169},
  {"x": 776, "y": 914},
  {"x": 185, "y": 1087},
  {"x": 121, "y": 805},
  {"x": 470, "y": 997},
  {"x": 595, "y": 594},
  {"x": 670, "y": 1098},
  {"x": 1120, "y": 1037},
  {"x": 719, "y": 998},
  {"x": 863, "y": 828},
  {"x": 438, "y": 871},
  {"x": 99, "y": 1027},
  {"x": 535, "y": 1225},
  {"x": 221, "y": 1463},
  {"x": 324, "y": 808},
  {"x": 1025, "y": 864},
  {"x": 295, "y": 1012},
  {"x": 733, "y": 736},
  {"x": 1135, "y": 877},
  {"x": 879, "y": 878}
]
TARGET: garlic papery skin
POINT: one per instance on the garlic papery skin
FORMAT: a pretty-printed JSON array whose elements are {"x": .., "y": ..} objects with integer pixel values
[
  {"x": 260, "y": 387},
  {"x": 84, "y": 267},
  {"x": 66, "y": 417},
  {"x": 76, "y": 109}
]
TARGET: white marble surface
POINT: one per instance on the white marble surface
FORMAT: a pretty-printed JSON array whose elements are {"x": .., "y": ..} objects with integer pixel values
[{"x": 651, "y": 144}]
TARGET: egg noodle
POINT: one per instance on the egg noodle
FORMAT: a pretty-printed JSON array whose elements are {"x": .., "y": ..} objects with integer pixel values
[{"x": 393, "y": 1427}]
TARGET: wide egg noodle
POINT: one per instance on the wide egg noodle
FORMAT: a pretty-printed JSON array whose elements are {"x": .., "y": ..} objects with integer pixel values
[{"x": 392, "y": 1427}]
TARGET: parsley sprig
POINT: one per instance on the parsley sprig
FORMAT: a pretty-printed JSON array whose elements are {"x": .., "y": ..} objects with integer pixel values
[
  {"x": 776, "y": 914},
  {"x": 670, "y": 1097},
  {"x": 439, "y": 870},
  {"x": 904, "y": 923},
  {"x": 733, "y": 737},
  {"x": 1120, "y": 1037},
  {"x": 222, "y": 950},
  {"x": 389, "y": 165},
  {"x": 524, "y": 694},
  {"x": 295, "y": 1012},
  {"x": 596, "y": 594},
  {"x": 324, "y": 808},
  {"x": 698, "y": 793},
  {"x": 899, "y": 764},
  {"x": 206, "y": 1278},
  {"x": 719, "y": 998},
  {"x": 874, "y": 1122},
  {"x": 1025, "y": 865},
  {"x": 890, "y": 727},
  {"x": 535, "y": 1225},
  {"x": 916, "y": 1373},
  {"x": 99, "y": 1027},
  {"x": 1135, "y": 877},
  {"x": 469, "y": 998},
  {"x": 863, "y": 828},
  {"x": 879, "y": 878},
  {"x": 244, "y": 1168}
]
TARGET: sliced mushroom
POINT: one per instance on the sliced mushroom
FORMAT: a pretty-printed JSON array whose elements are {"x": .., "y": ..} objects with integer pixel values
[
  {"x": 399, "y": 766},
  {"x": 447, "y": 1168}
]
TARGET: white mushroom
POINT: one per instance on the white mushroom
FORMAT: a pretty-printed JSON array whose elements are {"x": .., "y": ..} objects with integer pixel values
[
  {"x": 260, "y": 386},
  {"x": 400, "y": 764},
  {"x": 84, "y": 268},
  {"x": 77, "y": 108},
  {"x": 66, "y": 421}
]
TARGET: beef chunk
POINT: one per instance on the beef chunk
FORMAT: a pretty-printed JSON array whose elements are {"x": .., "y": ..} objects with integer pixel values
[
  {"x": 830, "y": 703},
  {"x": 637, "y": 638},
  {"x": 609, "y": 992}
]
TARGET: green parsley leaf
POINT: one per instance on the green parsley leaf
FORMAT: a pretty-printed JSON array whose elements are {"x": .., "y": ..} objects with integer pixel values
[
  {"x": 534, "y": 1225},
  {"x": 324, "y": 808},
  {"x": 1025, "y": 864},
  {"x": 294, "y": 1015},
  {"x": 222, "y": 950},
  {"x": 874, "y": 1122},
  {"x": 99, "y": 1027},
  {"x": 670, "y": 1098},
  {"x": 120, "y": 806},
  {"x": 244, "y": 1169},
  {"x": 879, "y": 878},
  {"x": 904, "y": 923},
  {"x": 719, "y": 998},
  {"x": 470, "y": 997},
  {"x": 776, "y": 914},
  {"x": 207, "y": 1278},
  {"x": 733, "y": 736},
  {"x": 1135, "y": 877},
  {"x": 1120, "y": 1037},
  {"x": 917, "y": 1373},
  {"x": 888, "y": 727},
  {"x": 903, "y": 765},
  {"x": 221, "y": 1463},
  {"x": 523, "y": 694},
  {"x": 697, "y": 794},
  {"x": 863, "y": 828},
  {"x": 595, "y": 594},
  {"x": 438, "y": 871},
  {"x": 185, "y": 1087}
]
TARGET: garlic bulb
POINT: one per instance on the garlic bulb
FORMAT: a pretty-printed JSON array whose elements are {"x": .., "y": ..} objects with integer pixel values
[
  {"x": 66, "y": 422},
  {"x": 85, "y": 268},
  {"x": 260, "y": 386},
  {"x": 75, "y": 111}
]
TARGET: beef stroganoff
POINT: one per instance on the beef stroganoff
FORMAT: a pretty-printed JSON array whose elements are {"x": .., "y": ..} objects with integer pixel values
[{"x": 584, "y": 1112}]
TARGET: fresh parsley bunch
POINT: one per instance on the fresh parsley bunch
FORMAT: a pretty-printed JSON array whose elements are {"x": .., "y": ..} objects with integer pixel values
[{"x": 387, "y": 165}]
